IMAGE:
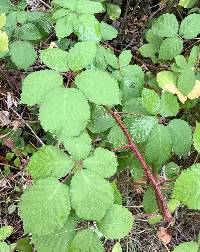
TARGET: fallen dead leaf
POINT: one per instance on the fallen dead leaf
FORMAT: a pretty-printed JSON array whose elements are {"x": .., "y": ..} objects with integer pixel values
[
  {"x": 164, "y": 236},
  {"x": 4, "y": 118}
]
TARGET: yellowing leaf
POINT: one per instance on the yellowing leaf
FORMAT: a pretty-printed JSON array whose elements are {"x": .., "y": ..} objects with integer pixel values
[
  {"x": 167, "y": 81},
  {"x": 195, "y": 93},
  {"x": 3, "y": 42},
  {"x": 2, "y": 20},
  {"x": 181, "y": 97}
]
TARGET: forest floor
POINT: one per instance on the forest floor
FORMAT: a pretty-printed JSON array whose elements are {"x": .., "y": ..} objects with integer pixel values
[{"x": 22, "y": 131}]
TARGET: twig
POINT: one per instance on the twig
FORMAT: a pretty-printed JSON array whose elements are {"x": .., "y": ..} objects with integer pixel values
[
  {"x": 28, "y": 126},
  {"x": 155, "y": 185}
]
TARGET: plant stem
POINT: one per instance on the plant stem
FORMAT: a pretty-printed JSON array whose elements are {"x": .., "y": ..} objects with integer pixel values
[{"x": 155, "y": 184}]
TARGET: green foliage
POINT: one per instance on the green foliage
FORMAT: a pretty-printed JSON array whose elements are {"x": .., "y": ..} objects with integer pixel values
[
  {"x": 4, "y": 247},
  {"x": 117, "y": 223},
  {"x": 151, "y": 101},
  {"x": 49, "y": 161},
  {"x": 48, "y": 201},
  {"x": 91, "y": 195},
  {"x": 196, "y": 137},
  {"x": 187, "y": 3},
  {"x": 117, "y": 247},
  {"x": 5, "y": 232},
  {"x": 86, "y": 241},
  {"x": 170, "y": 48},
  {"x": 113, "y": 11},
  {"x": 169, "y": 105},
  {"x": 190, "y": 27},
  {"x": 186, "y": 188},
  {"x": 103, "y": 163},
  {"x": 149, "y": 201},
  {"x": 187, "y": 247},
  {"x": 92, "y": 83}
]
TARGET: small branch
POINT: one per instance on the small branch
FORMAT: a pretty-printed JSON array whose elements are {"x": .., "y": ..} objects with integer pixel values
[
  {"x": 155, "y": 185},
  {"x": 121, "y": 148}
]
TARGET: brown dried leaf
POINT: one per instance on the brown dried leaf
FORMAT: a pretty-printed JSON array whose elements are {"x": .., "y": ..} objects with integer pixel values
[{"x": 164, "y": 236}]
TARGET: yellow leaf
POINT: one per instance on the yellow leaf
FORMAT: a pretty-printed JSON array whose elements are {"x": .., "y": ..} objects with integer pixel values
[
  {"x": 2, "y": 20},
  {"x": 181, "y": 97},
  {"x": 195, "y": 93},
  {"x": 3, "y": 42}
]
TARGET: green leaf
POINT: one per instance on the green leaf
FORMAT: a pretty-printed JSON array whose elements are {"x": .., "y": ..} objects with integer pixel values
[
  {"x": 23, "y": 245},
  {"x": 135, "y": 105},
  {"x": 116, "y": 137},
  {"x": 5, "y": 232},
  {"x": 29, "y": 32},
  {"x": 2, "y": 20},
  {"x": 60, "y": 240},
  {"x": 78, "y": 147},
  {"x": 170, "y": 48},
  {"x": 149, "y": 201},
  {"x": 87, "y": 28},
  {"x": 55, "y": 58},
  {"x": 45, "y": 206},
  {"x": 3, "y": 42},
  {"x": 125, "y": 58},
  {"x": 194, "y": 55},
  {"x": 153, "y": 38},
  {"x": 111, "y": 58},
  {"x": 22, "y": 53},
  {"x": 4, "y": 246},
  {"x": 117, "y": 247},
  {"x": 167, "y": 81},
  {"x": 186, "y": 188},
  {"x": 4, "y": 6},
  {"x": 169, "y": 105},
  {"x": 181, "y": 61},
  {"x": 148, "y": 51},
  {"x": 103, "y": 163},
  {"x": 101, "y": 120},
  {"x": 66, "y": 4},
  {"x": 140, "y": 127},
  {"x": 49, "y": 161},
  {"x": 60, "y": 13},
  {"x": 151, "y": 101},
  {"x": 117, "y": 222},
  {"x": 166, "y": 25},
  {"x": 113, "y": 11},
  {"x": 68, "y": 114},
  {"x": 190, "y": 27},
  {"x": 159, "y": 136},
  {"x": 86, "y": 241},
  {"x": 181, "y": 135},
  {"x": 172, "y": 170},
  {"x": 81, "y": 55},
  {"x": 187, "y": 3},
  {"x": 187, "y": 247},
  {"x": 91, "y": 195},
  {"x": 44, "y": 81},
  {"x": 64, "y": 26},
  {"x": 196, "y": 137},
  {"x": 186, "y": 81},
  {"x": 88, "y": 7},
  {"x": 117, "y": 194},
  {"x": 93, "y": 83},
  {"x": 107, "y": 31}
]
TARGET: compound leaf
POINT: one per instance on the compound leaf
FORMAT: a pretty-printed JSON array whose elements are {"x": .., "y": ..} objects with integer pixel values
[
  {"x": 190, "y": 26},
  {"x": 86, "y": 241},
  {"x": 58, "y": 241},
  {"x": 81, "y": 55},
  {"x": 166, "y": 25},
  {"x": 64, "y": 26},
  {"x": 117, "y": 222},
  {"x": 22, "y": 54},
  {"x": 186, "y": 81},
  {"x": 68, "y": 114},
  {"x": 186, "y": 188},
  {"x": 181, "y": 135},
  {"x": 148, "y": 51},
  {"x": 29, "y": 32},
  {"x": 44, "y": 207},
  {"x": 49, "y": 161},
  {"x": 103, "y": 163},
  {"x": 167, "y": 81},
  {"x": 91, "y": 195},
  {"x": 55, "y": 58},
  {"x": 99, "y": 87},
  {"x": 116, "y": 137},
  {"x": 37, "y": 85}
]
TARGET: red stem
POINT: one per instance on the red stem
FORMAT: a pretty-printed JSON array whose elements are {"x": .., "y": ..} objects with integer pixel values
[{"x": 155, "y": 185}]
